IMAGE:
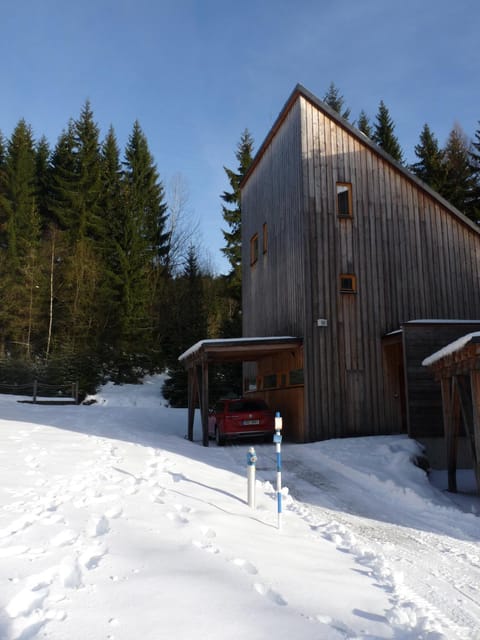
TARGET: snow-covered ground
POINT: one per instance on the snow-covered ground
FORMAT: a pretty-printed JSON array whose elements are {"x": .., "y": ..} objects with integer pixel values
[{"x": 113, "y": 526}]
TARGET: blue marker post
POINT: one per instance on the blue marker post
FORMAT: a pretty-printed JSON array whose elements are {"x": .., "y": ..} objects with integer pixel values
[{"x": 277, "y": 439}]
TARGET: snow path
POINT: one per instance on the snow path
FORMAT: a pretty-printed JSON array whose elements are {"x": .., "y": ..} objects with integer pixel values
[{"x": 434, "y": 578}]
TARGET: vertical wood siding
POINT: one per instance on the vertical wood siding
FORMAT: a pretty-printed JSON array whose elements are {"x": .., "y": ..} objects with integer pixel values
[{"x": 412, "y": 257}]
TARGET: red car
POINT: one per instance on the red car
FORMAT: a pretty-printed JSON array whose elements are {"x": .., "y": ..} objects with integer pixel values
[{"x": 240, "y": 418}]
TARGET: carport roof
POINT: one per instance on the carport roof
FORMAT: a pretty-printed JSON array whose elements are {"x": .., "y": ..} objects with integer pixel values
[{"x": 237, "y": 349}]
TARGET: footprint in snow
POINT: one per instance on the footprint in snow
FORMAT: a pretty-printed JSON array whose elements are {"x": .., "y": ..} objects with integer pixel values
[
  {"x": 272, "y": 595},
  {"x": 92, "y": 556},
  {"x": 177, "y": 518},
  {"x": 68, "y": 536},
  {"x": 246, "y": 566},
  {"x": 98, "y": 526},
  {"x": 206, "y": 543}
]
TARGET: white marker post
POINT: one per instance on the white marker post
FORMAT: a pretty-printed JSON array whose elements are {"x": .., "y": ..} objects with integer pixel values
[
  {"x": 251, "y": 460},
  {"x": 277, "y": 439}
]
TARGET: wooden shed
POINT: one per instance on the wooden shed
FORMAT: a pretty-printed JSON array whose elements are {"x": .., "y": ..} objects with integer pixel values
[
  {"x": 457, "y": 368},
  {"x": 343, "y": 247}
]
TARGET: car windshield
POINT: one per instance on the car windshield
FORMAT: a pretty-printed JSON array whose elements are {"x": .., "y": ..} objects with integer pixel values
[{"x": 247, "y": 405}]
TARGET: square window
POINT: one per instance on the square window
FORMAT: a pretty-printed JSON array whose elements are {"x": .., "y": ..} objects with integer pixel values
[
  {"x": 348, "y": 283},
  {"x": 344, "y": 199}
]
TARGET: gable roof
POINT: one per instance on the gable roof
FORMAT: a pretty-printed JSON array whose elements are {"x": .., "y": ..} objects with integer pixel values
[{"x": 300, "y": 91}]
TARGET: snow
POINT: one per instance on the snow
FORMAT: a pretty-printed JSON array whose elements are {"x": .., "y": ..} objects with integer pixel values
[
  {"x": 230, "y": 341},
  {"x": 113, "y": 526},
  {"x": 454, "y": 346}
]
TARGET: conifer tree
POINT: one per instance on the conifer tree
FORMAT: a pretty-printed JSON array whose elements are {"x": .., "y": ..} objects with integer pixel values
[
  {"x": 459, "y": 184},
  {"x": 21, "y": 239},
  {"x": 43, "y": 179},
  {"x": 364, "y": 125},
  {"x": 383, "y": 133},
  {"x": 336, "y": 101},
  {"x": 189, "y": 325},
  {"x": 232, "y": 214},
  {"x": 430, "y": 166},
  {"x": 474, "y": 153},
  {"x": 142, "y": 250}
]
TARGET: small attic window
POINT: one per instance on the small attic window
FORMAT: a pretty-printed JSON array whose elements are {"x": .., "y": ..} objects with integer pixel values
[
  {"x": 344, "y": 199},
  {"x": 348, "y": 283}
]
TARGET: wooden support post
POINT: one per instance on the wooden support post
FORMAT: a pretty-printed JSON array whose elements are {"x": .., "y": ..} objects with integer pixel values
[
  {"x": 475, "y": 387},
  {"x": 191, "y": 401},
  {"x": 451, "y": 415},
  {"x": 35, "y": 390},
  {"x": 204, "y": 405}
]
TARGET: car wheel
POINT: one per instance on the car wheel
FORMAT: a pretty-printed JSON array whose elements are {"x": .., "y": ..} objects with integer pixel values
[{"x": 218, "y": 438}]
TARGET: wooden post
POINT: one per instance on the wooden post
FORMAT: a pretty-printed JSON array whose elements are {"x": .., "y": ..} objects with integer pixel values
[
  {"x": 35, "y": 389},
  {"x": 204, "y": 405},
  {"x": 475, "y": 386},
  {"x": 451, "y": 414},
  {"x": 191, "y": 400}
]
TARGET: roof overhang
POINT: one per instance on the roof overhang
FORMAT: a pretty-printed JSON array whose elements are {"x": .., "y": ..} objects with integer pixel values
[{"x": 237, "y": 349}]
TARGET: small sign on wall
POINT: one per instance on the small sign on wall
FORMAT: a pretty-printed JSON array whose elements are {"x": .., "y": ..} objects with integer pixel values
[{"x": 322, "y": 322}]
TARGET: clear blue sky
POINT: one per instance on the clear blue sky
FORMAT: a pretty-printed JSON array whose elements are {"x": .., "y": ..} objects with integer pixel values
[{"x": 196, "y": 73}]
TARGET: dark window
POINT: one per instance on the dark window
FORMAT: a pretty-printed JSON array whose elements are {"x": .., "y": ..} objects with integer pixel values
[
  {"x": 348, "y": 283},
  {"x": 296, "y": 376},
  {"x": 344, "y": 199},
  {"x": 246, "y": 405},
  {"x": 269, "y": 382}
]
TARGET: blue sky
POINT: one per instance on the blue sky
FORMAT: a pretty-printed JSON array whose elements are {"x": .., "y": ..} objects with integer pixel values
[{"x": 196, "y": 73}]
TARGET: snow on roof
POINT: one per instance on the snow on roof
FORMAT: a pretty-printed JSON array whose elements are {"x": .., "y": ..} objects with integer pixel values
[
  {"x": 228, "y": 341},
  {"x": 450, "y": 348}
]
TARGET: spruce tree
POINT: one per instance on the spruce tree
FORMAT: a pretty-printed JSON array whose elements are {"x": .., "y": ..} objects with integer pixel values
[
  {"x": 383, "y": 133},
  {"x": 43, "y": 179},
  {"x": 20, "y": 221},
  {"x": 142, "y": 253},
  {"x": 364, "y": 125},
  {"x": 232, "y": 214},
  {"x": 336, "y": 101},
  {"x": 474, "y": 153},
  {"x": 188, "y": 327},
  {"x": 459, "y": 184},
  {"x": 430, "y": 166}
]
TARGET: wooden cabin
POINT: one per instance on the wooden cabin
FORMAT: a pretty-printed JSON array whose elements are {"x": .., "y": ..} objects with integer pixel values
[{"x": 345, "y": 249}]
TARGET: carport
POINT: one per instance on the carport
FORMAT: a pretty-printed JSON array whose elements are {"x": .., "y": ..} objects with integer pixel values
[
  {"x": 457, "y": 368},
  {"x": 206, "y": 352}
]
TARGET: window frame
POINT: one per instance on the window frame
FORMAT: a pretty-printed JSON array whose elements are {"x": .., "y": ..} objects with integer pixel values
[
  {"x": 265, "y": 238},
  {"x": 348, "y": 276},
  {"x": 254, "y": 249},
  {"x": 348, "y": 188}
]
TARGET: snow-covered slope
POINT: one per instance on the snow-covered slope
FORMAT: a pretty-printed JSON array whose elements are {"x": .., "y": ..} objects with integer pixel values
[{"x": 112, "y": 525}]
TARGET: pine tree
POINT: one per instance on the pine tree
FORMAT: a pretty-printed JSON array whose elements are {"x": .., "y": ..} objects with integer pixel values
[
  {"x": 232, "y": 214},
  {"x": 459, "y": 184},
  {"x": 430, "y": 167},
  {"x": 363, "y": 124},
  {"x": 336, "y": 101},
  {"x": 43, "y": 171},
  {"x": 384, "y": 135}
]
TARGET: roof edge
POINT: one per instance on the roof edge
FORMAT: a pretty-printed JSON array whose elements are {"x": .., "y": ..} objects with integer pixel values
[{"x": 301, "y": 91}]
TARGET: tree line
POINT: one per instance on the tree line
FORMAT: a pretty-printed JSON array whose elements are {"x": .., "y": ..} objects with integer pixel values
[{"x": 96, "y": 281}]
